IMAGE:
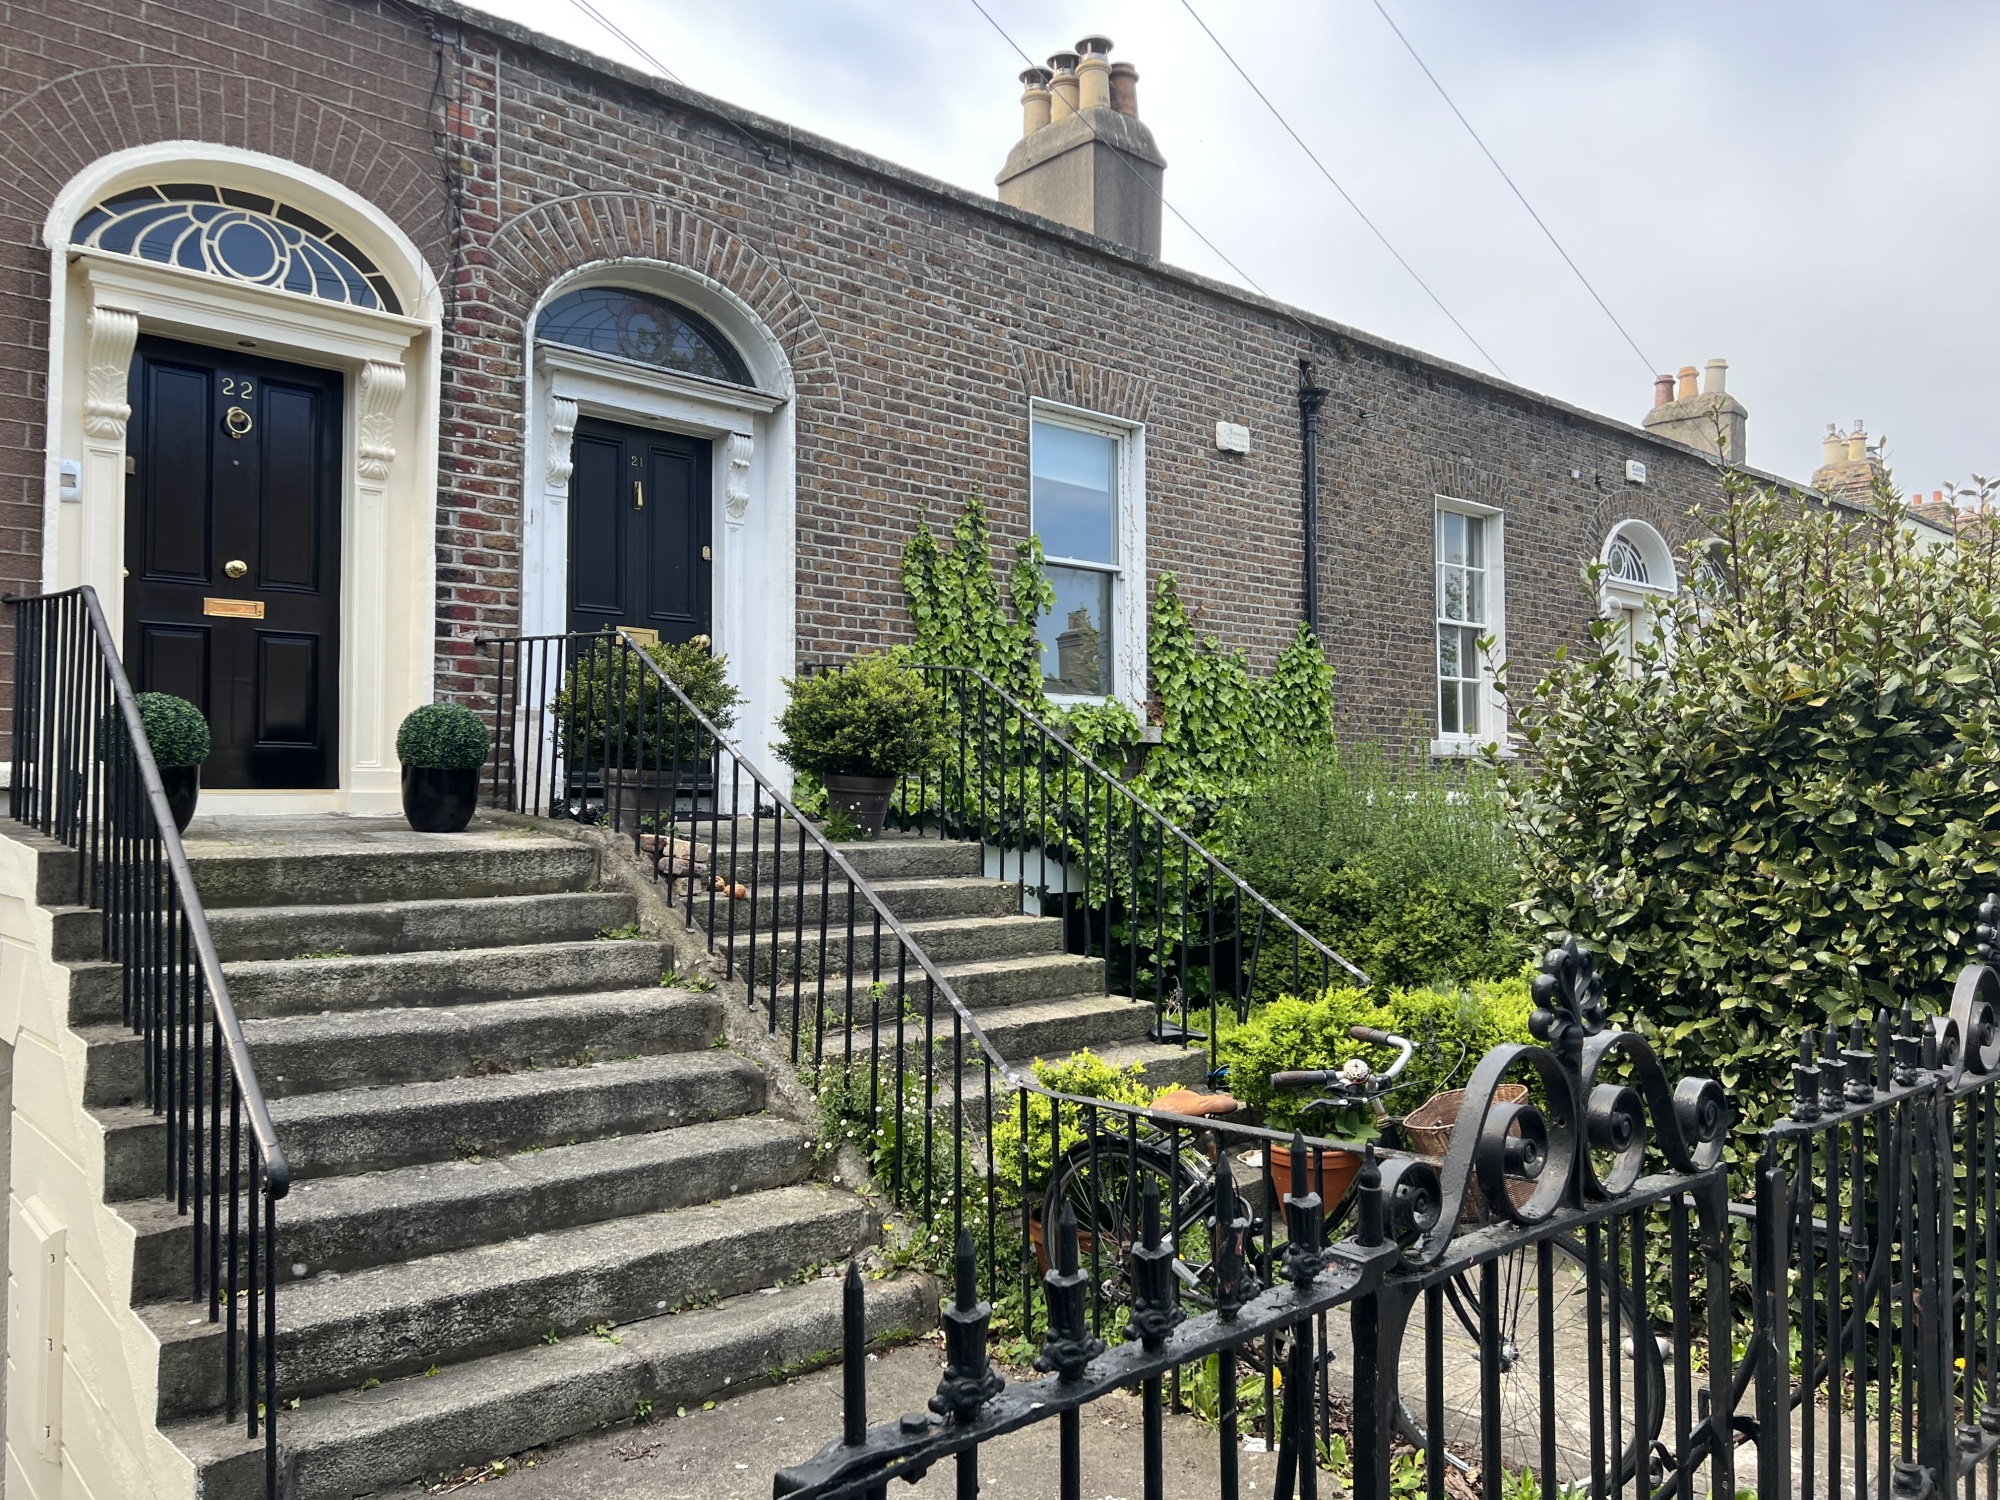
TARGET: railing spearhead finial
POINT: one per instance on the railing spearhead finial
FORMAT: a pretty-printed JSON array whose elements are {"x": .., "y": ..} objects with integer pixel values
[
  {"x": 1070, "y": 1346},
  {"x": 1156, "y": 1309},
  {"x": 970, "y": 1380}
]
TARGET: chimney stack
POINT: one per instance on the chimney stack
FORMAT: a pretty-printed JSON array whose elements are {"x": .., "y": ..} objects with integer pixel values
[
  {"x": 1084, "y": 159},
  {"x": 1696, "y": 409},
  {"x": 1848, "y": 471}
]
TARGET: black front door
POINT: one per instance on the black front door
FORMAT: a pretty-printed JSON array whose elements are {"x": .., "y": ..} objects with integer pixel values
[
  {"x": 232, "y": 556},
  {"x": 639, "y": 531}
]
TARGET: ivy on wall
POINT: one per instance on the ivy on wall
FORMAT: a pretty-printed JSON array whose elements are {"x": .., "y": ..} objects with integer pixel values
[{"x": 1219, "y": 724}]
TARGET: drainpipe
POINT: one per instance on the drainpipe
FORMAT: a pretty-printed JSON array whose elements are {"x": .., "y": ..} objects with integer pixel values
[{"x": 1310, "y": 397}]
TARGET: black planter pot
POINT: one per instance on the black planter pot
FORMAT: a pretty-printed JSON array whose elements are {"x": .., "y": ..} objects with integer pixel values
[
  {"x": 863, "y": 798},
  {"x": 183, "y": 786},
  {"x": 439, "y": 800}
]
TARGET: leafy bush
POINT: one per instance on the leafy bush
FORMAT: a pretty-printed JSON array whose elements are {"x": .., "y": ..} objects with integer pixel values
[
  {"x": 1083, "y": 1074},
  {"x": 1452, "y": 1028},
  {"x": 442, "y": 736},
  {"x": 1407, "y": 867},
  {"x": 1789, "y": 817},
  {"x": 612, "y": 710},
  {"x": 873, "y": 717},
  {"x": 956, "y": 607},
  {"x": 174, "y": 728}
]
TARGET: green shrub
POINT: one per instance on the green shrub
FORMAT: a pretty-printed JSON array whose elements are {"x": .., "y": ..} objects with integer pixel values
[
  {"x": 612, "y": 710},
  {"x": 174, "y": 728},
  {"x": 1789, "y": 817},
  {"x": 873, "y": 717},
  {"x": 1406, "y": 866},
  {"x": 1083, "y": 1074},
  {"x": 1453, "y": 1028},
  {"x": 443, "y": 737}
]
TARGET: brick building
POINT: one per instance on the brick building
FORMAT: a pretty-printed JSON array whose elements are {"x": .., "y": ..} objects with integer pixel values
[{"x": 502, "y": 292}]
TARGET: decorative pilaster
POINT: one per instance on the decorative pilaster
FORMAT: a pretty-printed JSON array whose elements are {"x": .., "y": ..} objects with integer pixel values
[
  {"x": 737, "y": 452},
  {"x": 378, "y": 392},
  {"x": 112, "y": 332}
]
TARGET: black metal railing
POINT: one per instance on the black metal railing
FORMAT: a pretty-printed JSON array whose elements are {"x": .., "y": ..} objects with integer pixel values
[
  {"x": 1098, "y": 1225},
  {"x": 1174, "y": 924},
  {"x": 84, "y": 775}
]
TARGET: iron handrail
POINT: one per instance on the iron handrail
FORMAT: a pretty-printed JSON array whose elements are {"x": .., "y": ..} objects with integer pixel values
[
  {"x": 70, "y": 791},
  {"x": 1140, "y": 805},
  {"x": 785, "y": 806}
]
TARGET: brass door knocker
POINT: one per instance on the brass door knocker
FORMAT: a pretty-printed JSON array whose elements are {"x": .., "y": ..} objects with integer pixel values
[{"x": 236, "y": 421}]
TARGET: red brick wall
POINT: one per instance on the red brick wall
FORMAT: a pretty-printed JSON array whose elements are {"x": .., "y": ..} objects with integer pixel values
[{"x": 918, "y": 326}]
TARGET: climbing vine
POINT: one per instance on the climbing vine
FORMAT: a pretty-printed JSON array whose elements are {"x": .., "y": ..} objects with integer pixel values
[{"x": 956, "y": 603}]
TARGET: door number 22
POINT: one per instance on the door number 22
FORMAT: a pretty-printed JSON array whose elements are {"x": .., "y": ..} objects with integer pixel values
[{"x": 241, "y": 387}]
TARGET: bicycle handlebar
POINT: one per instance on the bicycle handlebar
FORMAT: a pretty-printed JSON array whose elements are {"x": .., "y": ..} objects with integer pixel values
[{"x": 1368, "y": 1085}]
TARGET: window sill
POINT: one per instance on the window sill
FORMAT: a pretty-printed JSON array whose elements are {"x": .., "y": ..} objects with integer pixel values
[{"x": 1463, "y": 747}]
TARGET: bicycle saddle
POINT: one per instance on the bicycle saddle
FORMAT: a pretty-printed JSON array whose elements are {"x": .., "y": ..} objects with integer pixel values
[{"x": 1188, "y": 1102}]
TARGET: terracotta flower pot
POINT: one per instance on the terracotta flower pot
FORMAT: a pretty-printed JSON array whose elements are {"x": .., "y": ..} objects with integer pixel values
[
  {"x": 439, "y": 799},
  {"x": 1329, "y": 1173}
]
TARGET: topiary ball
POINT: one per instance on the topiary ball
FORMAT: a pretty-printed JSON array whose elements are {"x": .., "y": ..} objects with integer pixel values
[
  {"x": 174, "y": 728},
  {"x": 442, "y": 737}
]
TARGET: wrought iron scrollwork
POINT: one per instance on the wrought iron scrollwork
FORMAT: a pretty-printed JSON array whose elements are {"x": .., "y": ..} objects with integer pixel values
[{"x": 1552, "y": 1146}]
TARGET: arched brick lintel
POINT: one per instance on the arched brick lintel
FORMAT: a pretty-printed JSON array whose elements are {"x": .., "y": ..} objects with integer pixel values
[
  {"x": 539, "y": 247},
  {"x": 85, "y": 116}
]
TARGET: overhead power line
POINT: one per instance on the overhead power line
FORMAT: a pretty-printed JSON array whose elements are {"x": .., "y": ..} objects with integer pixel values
[
  {"x": 1346, "y": 196},
  {"x": 1165, "y": 203},
  {"x": 1414, "y": 57}
]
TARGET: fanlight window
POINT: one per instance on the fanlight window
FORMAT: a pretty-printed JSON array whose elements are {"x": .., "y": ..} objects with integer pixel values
[
  {"x": 238, "y": 235},
  {"x": 1627, "y": 564},
  {"x": 651, "y": 330}
]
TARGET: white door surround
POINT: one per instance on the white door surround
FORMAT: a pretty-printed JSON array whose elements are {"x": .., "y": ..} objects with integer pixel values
[
  {"x": 754, "y": 593},
  {"x": 102, "y": 302}
]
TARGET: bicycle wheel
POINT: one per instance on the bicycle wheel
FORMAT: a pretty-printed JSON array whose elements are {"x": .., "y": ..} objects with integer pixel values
[
  {"x": 1105, "y": 1192},
  {"x": 1629, "y": 1426}
]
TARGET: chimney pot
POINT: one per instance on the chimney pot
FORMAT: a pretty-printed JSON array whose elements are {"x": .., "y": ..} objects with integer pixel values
[
  {"x": 1687, "y": 390},
  {"x": 1663, "y": 390},
  {"x": 1093, "y": 73},
  {"x": 1062, "y": 84},
  {"x": 1833, "y": 447},
  {"x": 1718, "y": 376},
  {"x": 1857, "y": 444},
  {"x": 1125, "y": 89},
  {"x": 1034, "y": 100}
]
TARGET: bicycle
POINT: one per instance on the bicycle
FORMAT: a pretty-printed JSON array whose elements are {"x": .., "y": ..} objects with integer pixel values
[{"x": 1102, "y": 1181}]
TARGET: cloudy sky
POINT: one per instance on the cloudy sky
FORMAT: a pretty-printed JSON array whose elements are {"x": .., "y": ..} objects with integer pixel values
[{"x": 1809, "y": 189}]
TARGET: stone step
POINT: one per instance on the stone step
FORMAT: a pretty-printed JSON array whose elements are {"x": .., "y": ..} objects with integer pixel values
[
  {"x": 990, "y": 983},
  {"x": 410, "y": 1430},
  {"x": 382, "y": 863},
  {"x": 373, "y": 1218},
  {"x": 77, "y": 933},
  {"x": 337, "y": 1331},
  {"x": 1160, "y": 1065},
  {"x": 913, "y": 900},
  {"x": 359, "y": 1130},
  {"x": 891, "y": 857},
  {"x": 357, "y": 1049},
  {"x": 278, "y": 932},
  {"x": 1020, "y": 1033},
  {"x": 291, "y": 987},
  {"x": 946, "y": 940}
]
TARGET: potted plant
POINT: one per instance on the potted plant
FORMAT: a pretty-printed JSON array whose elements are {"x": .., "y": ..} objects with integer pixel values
[
  {"x": 620, "y": 732},
  {"x": 179, "y": 737},
  {"x": 442, "y": 746},
  {"x": 857, "y": 729}
]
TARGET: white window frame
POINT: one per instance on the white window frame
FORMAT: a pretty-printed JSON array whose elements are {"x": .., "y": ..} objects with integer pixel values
[
  {"x": 1494, "y": 702},
  {"x": 1625, "y": 602},
  {"x": 1128, "y": 574}
]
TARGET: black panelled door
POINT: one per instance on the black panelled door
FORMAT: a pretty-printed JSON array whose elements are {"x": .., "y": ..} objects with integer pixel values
[
  {"x": 639, "y": 531},
  {"x": 232, "y": 556}
]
